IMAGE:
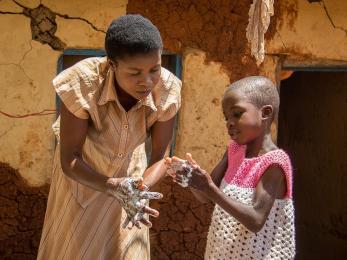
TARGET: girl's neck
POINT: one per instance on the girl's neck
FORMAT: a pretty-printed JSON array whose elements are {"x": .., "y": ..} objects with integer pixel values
[{"x": 260, "y": 146}]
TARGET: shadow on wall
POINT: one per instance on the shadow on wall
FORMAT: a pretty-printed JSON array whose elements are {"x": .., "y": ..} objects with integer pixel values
[{"x": 22, "y": 213}]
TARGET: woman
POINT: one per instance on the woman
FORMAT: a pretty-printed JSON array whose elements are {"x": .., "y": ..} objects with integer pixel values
[{"x": 109, "y": 107}]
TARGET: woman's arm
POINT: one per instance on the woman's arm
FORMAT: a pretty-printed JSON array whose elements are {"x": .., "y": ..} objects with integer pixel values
[
  {"x": 73, "y": 132},
  {"x": 161, "y": 135},
  {"x": 271, "y": 186}
]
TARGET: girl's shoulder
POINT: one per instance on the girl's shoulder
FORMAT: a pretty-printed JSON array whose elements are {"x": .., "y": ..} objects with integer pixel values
[{"x": 276, "y": 156}]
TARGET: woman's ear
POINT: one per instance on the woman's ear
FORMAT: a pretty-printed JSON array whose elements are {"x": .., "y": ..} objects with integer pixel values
[
  {"x": 112, "y": 63},
  {"x": 266, "y": 112}
]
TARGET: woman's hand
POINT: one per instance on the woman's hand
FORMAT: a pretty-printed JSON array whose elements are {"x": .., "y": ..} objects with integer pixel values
[
  {"x": 133, "y": 195},
  {"x": 188, "y": 173}
]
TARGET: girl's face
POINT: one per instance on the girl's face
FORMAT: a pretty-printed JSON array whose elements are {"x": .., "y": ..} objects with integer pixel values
[
  {"x": 243, "y": 119},
  {"x": 137, "y": 75}
]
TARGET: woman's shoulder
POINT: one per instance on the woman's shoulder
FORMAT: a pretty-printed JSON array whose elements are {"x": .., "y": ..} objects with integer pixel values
[
  {"x": 86, "y": 70},
  {"x": 168, "y": 79},
  {"x": 168, "y": 89},
  {"x": 166, "y": 95}
]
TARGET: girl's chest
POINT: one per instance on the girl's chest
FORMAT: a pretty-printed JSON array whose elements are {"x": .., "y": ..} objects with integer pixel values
[{"x": 238, "y": 193}]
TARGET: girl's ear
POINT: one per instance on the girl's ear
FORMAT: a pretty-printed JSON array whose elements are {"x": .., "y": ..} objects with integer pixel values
[{"x": 266, "y": 112}]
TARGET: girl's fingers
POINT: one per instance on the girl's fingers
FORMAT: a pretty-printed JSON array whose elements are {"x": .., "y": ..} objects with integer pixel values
[{"x": 150, "y": 211}]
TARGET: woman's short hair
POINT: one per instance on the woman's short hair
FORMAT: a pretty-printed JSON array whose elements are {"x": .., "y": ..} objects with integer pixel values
[{"x": 130, "y": 35}]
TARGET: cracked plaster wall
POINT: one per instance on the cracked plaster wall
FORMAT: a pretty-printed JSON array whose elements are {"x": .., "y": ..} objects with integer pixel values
[
  {"x": 25, "y": 56},
  {"x": 299, "y": 30},
  {"x": 33, "y": 36},
  {"x": 316, "y": 31}
]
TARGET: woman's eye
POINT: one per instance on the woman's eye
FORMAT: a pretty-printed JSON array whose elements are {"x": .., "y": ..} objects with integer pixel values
[{"x": 135, "y": 74}]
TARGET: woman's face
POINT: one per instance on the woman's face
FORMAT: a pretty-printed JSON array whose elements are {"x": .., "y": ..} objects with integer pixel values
[{"x": 137, "y": 75}]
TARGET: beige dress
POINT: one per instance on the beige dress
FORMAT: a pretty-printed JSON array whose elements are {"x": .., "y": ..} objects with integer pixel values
[{"x": 81, "y": 223}]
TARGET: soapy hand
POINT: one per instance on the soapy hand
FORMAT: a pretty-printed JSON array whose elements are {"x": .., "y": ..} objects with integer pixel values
[
  {"x": 132, "y": 194},
  {"x": 188, "y": 172}
]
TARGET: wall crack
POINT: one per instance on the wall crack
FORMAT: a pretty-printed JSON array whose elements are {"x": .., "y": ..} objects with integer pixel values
[
  {"x": 20, "y": 67},
  {"x": 322, "y": 3},
  {"x": 44, "y": 26},
  {"x": 1, "y": 12},
  {"x": 65, "y": 16}
]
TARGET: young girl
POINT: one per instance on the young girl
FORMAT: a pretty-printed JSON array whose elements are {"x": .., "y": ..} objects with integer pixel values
[{"x": 251, "y": 185}]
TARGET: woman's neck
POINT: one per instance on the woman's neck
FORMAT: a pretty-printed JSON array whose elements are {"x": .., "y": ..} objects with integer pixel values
[
  {"x": 126, "y": 100},
  {"x": 260, "y": 146}
]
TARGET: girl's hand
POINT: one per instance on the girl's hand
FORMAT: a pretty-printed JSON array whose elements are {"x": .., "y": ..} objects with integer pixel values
[
  {"x": 132, "y": 195},
  {"x": 188, "y": 173},
  {"x": 199, "y": 179}
]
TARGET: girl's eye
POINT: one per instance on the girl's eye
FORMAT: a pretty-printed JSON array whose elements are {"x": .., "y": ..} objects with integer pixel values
[
  {"x": 237, "y": 114},
  {"x": 154, "y": 71},
  {"x": 135, "y": 74}
]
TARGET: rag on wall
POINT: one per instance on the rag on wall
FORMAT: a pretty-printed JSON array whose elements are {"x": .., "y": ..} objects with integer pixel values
[{"x": 259, "y": 21}]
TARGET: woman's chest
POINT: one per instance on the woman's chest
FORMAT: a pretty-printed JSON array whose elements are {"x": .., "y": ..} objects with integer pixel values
[{"x": 118, "y": 132}]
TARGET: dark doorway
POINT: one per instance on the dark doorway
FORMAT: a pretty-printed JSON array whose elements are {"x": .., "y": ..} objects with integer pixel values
[{"x": 313, "y": 130}]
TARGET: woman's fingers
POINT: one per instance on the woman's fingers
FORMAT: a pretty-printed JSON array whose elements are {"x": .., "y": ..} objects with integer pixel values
[
  {"x": 126, "y": 222},
  {"x": 137, "y": 224},
  {"x": 146, "y": 222},
  {"x": 151, "y": 195},
  {"x": 168, "y": 161},
  {"x": 150, "y": 211},
  {"x": 191, "y": 160},
  {"x": 179, "y": 178}
]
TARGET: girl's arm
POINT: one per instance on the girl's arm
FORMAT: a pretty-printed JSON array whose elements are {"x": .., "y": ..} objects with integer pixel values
[
  {"x": 270, "y": 187},
  {"x": 161, "y": 136}
]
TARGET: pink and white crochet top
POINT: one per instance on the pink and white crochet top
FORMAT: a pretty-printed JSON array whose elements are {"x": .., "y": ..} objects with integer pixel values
[{"x": 227, "y": 237}]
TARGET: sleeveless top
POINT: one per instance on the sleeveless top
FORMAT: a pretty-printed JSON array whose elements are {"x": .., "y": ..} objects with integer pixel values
[{"x": 227, "y": 237}]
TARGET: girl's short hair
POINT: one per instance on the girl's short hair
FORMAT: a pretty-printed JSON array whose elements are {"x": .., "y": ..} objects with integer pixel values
[
  {"x": 258, "y": 90},
  {"x": 130, "y": 35}
]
